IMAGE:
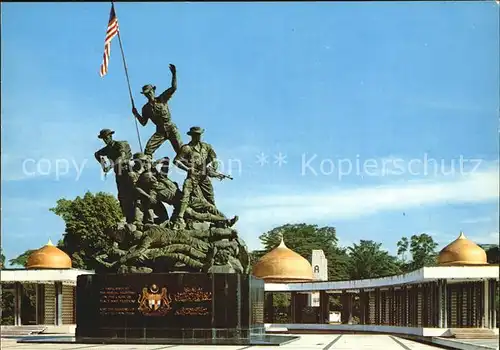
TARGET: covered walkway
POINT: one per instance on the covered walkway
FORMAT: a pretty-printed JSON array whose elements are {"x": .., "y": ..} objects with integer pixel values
[
  {"x": 430, "y": 301},
  {"x": 449, "y": 300},
  {"x": 443, "y": 298}
]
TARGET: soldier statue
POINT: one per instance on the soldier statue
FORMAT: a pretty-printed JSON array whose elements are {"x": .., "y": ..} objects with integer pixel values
[
  {"x": 155, "y": 188},
  {"x": 199, "y": 160},
  {"x": 118, "y": 154},
  {"x": 196, "y": 236},
  {"x": 158, "y": 111}
]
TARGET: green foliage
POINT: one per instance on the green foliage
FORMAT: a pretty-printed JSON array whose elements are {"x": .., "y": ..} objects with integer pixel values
[
  {"x": 87, "y": 220},
  {"x": 423, "y": 251},
  {"x": 303, "y": 238},
  {"x": 21, "y": 259},
  {"x": 255, "y": 256},
  {"x": 2, "y": 259},
  {"x": 368, "y": 260},
  {"x": 403, "y": 246},
  {"x": 282, "y": 299},
  {"x": 492, "y": 253},
  {"x": 7, "y": 306}
]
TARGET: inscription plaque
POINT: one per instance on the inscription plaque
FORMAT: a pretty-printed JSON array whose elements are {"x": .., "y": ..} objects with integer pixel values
[
  {"x": 117, "y": 301},
  {"x": 170, "y": 305}
]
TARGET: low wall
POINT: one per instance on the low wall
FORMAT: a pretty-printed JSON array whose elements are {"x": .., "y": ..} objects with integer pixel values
[{"x": 418, "y": 331}]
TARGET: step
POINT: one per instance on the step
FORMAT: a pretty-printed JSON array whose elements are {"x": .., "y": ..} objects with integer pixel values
[
  {"x": 473, "y": 333},
  {"x": 22, "y": 330}
]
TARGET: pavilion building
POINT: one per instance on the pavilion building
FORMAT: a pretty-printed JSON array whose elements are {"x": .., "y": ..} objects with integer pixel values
[
  {"x": 43, "y": 293},
  {"x": 456, "y": 298}
]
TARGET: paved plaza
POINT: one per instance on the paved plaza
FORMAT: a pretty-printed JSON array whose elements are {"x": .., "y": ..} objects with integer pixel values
[{"x": 306, "y": 342}]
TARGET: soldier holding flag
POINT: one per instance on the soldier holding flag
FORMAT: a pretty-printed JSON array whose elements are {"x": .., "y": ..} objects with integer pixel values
[{"x": 158, "y": 111}]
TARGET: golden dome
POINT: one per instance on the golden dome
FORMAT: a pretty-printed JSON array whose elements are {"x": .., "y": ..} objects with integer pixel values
[
  {"x": 462, "y": 252},
  {"x": 48, "y": 257},
  {"x": 283, "y": 265}
]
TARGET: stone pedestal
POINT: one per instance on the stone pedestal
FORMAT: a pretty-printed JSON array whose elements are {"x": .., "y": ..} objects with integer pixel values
[{"x": 173, "y": 308}]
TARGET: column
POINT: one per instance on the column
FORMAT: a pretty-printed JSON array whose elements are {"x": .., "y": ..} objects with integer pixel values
[
  {"x": 392, "y": 307},
  {"x": 40, "y": 304},
  {"x": 493, "y": 306},
  {"x": 346, "y": 317},
  {"x": 436, "y": 305},
  {"x": 349, "y": 308},
  {"x": 372, "y": 307},
  {"x": 397, "y": 306},
  {"x": 405, "y": 306},
  {"x": 440, "y": 304},
  {"x": 469, "y": 319},
  {"x": 324, "y": 307},
  {"x": 415, "y": 304},
  {"x": 383, "y": 307},
  {"x": 425, "y": 304},
  {"x": 343, "y": 313},
  {"x": 58, "y": 286},
  {"x": 37, "y": 304},
  {"x": 460, "y": 305},
  {"x": 18, "y": 290},
  {"x": 485, "y": 315},
  {"x": 411, "y": 310},
  {"x": 444, "y": 286},
  {"x": 362, "y": 306}
]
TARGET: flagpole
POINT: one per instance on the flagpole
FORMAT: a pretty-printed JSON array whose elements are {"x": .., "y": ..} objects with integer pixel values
[{"x": 128, "y": 80}]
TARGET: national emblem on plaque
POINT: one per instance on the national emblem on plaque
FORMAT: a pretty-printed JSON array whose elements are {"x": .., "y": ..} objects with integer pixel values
[{"x": 153, "y": 302}]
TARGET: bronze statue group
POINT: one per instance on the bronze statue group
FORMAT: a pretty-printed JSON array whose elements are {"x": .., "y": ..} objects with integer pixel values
[{"x": 197, "y": 236}]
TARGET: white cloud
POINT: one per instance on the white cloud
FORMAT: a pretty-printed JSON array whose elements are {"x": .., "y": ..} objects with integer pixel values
[
  {"x": 477, "y": 220},
  {"x": 264, "y": 212},
  {"x": 422, "y": 166}
]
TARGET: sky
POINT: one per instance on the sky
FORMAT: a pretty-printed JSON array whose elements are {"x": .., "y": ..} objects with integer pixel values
[{"x": 377, "y": 118}]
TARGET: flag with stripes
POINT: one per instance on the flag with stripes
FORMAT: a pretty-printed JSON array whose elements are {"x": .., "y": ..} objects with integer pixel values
[{"x": 111, "y": 32}]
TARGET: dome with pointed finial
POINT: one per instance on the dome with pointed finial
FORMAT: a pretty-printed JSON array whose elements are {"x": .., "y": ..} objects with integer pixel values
[
  {"x": 48, "y": 257},
  {"x": 462, "y": 251},
  {"x": 283, "y": 265}
]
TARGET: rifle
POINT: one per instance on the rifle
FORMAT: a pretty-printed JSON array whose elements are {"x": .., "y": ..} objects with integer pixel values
[{"x": 220, "y": 175}]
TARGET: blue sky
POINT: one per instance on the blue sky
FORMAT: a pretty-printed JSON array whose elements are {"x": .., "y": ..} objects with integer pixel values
[{"x": 401, "y": 92}]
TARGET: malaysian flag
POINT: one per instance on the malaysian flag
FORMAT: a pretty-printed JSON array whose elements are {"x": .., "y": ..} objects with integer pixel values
[{"x": 111, "y": 32}]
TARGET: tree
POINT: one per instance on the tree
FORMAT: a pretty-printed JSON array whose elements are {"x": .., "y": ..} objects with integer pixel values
[
  {"x": 368, "y": 260},
  {"x": 303, "y": 238},
  {"x": 21, "y": 259},
  {"x": 87, "y": 220},
  {"x": 423, "y": 251},
  {"x": 255, "y": 256},
  {"x": 492, "y": 253},
  {"x": 2, "y": 259},
  {"x": 7, "y": 306},
  {"x": 403, "y": 245}
]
